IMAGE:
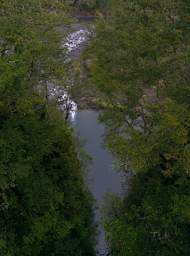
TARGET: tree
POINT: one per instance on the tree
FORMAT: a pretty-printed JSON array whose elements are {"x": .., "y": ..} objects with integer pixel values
[
  {"x": 45, "y": 207},
  {"x": 141, "y": 64}
]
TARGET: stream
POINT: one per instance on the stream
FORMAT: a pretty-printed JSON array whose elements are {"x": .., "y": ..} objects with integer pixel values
[{"x": 102, "y": 177}]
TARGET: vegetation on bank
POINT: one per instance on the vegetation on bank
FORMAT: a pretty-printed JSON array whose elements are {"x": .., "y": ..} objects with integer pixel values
[
  {"x": 141, "y": 64},
  {"x": 45, "y": 207},
  {"x": 88, "y": 5}
]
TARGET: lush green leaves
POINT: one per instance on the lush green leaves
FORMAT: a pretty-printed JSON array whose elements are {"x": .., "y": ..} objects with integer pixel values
[
  {"x": 141, "y": 63},
  {"x": 45, "y": 207}
]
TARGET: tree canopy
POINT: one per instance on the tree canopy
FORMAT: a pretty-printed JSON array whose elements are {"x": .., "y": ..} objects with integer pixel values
[
  {"x": 45, "y": 207},
  {"x": 141, "y": 63}
]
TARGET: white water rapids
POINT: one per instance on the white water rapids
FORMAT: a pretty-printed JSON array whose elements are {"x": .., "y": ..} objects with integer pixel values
[
  {"x": 75, "y": 39},
  {"x": 73, "y": 43}
]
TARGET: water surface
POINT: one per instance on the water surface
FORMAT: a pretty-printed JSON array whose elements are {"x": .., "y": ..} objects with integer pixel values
[{"x": 102, "y": 177}]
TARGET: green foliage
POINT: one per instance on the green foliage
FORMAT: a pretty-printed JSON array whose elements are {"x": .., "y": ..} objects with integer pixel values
[
  {"x": 89, "y": 5},
  {"x": 141, "y": 64},
  {"x": 45, "y": 207},
  {"x": 154, "y": 218}
]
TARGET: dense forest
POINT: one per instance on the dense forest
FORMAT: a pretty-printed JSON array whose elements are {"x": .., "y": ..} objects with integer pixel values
[
  {"x": 45, "y": 207},
  {"x": 89, "y": 5},
  {"x": 141, "y": 63},
  {"x": 138, "y": 61}
]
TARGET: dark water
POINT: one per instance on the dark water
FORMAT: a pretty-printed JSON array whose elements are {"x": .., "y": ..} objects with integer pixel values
[{"x": 102, "y": 177}]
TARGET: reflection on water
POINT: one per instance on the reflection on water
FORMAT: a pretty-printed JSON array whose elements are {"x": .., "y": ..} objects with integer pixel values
[{"x": 102, "y": 178}]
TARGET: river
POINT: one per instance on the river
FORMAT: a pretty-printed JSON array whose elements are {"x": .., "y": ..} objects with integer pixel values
[{"x": 102, "y": 177}]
